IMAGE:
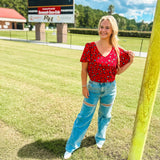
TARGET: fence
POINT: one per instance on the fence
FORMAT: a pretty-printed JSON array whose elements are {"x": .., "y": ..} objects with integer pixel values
[{"x": 129, "y": 43}]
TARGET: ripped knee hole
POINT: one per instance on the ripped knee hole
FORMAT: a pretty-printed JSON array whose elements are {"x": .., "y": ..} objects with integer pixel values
[
  {"x": 88, "y": 104},
  {"x": 106, "y": 105}
]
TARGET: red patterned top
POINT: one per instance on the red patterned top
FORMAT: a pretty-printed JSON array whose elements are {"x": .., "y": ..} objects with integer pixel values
[{"x": 102, "y": 69}]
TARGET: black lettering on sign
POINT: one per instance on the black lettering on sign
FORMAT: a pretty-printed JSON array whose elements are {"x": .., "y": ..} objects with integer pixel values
[{"x": 49, "y": 19}]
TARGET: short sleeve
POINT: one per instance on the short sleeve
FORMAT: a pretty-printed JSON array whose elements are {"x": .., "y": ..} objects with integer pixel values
[
  {"x": 124, "y": 57},
  {"x": 86, "y": 54}
]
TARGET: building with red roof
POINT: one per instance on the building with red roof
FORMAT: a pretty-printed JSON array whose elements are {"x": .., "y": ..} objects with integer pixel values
[{"x": 11, "y": 19}]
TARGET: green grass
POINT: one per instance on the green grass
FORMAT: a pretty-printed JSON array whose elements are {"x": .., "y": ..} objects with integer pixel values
[
  {"x": 40, "y": 97},
  {"x": 27, "y": 35},
  {"x": 132, "y": 43},
  {"x": 128, "y": 43}
]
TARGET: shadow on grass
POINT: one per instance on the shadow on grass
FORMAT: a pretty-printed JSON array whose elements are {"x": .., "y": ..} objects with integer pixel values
[
  {"x": 49, "y": 149},
  {"x": 43, "y": 149}
]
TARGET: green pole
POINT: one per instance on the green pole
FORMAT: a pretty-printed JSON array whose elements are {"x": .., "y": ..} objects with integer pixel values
[{"x": 148, "y": 91}]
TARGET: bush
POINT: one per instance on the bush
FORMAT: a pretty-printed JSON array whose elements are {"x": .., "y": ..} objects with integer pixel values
[
  {"x": 83, "y": 31},
  {"x": 142, "y": 34}
]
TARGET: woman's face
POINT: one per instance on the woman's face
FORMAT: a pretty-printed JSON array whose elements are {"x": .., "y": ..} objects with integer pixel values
[{"x": 105, "y": 29}]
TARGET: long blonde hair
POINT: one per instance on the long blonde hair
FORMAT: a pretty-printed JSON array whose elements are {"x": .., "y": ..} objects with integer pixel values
[{"x": 114, "y": 36}]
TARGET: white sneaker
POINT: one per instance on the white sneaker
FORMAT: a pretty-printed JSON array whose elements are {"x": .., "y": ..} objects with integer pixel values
[
  {"x": 99, "y": 146},
  {"x": 67, "y": 155}
]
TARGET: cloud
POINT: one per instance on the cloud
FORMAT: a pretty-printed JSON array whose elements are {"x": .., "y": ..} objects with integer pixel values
[
  {"x": 140, "y": 13},
  {"x": 140, "y": 2},
  {"x": 139, "y": 10},
  {"x": 121, "y": 14},
  {"x": 133, "y": 14}
]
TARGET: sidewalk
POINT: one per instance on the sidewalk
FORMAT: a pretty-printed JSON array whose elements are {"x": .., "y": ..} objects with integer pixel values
[{"x": 61, "y": 45}]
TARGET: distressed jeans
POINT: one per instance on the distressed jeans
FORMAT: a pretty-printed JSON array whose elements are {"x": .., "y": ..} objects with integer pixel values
[{"x": 106, "y": 93}]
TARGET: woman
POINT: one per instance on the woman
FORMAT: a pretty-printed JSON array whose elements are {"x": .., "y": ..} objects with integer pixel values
[{"x": 101, "y": 60}]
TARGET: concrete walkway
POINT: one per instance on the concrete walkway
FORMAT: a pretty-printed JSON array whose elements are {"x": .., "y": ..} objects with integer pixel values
[{"x": 61, "y": 45}]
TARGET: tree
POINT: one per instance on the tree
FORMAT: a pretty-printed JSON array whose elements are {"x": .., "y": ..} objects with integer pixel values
[
  {"x": 150, "y": 26},
  {"x": 81, "y": 16},
  {"x": 122, "y": 24},
  {"x": 132, "y": 27},
  {"x": 118, "y": 20},
  {"x": 143, "y": 26},
  {"x": 76, "y": 14},
  {"x": 146, "y": 27},
  {"x": 111, "y": 9},
  {"x": 89, "y": 17}
]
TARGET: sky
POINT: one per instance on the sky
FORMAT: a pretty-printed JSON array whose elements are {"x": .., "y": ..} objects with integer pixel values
[{"x": 131, "y": 9}]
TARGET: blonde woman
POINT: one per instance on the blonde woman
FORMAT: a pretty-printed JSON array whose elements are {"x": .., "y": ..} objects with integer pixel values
[{"x": 101, "y": 61}]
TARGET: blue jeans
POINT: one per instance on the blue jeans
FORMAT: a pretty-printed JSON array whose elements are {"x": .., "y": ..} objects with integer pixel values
[{"x": 106, "y": 93}]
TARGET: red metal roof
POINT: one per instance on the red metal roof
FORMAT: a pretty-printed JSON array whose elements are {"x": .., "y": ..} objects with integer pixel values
[{"x": 10, "y": 13}]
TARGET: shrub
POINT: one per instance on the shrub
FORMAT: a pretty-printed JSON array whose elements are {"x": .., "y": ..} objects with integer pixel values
[{"x": 142, "y": 34}]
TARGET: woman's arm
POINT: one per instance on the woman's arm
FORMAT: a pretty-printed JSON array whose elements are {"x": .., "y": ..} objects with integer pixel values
[
  {"x": 122, "y": 69},
  {"x": 85, "y": 91}
]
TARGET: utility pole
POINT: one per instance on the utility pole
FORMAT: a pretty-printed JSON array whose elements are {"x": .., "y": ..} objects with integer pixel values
[{"x": 148, "y": 91}]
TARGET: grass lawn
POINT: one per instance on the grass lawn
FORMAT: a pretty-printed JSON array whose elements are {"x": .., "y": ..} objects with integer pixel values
[
  {"x": 40, "y": 97},
  {"x": 129, "y": 43}
]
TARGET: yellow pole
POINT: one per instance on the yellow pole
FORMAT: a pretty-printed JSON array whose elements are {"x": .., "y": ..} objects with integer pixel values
[{"x": 148, "y": 91}]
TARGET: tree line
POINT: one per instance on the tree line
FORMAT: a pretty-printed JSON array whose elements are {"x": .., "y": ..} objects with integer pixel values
[{"x": 85, "y": 16}]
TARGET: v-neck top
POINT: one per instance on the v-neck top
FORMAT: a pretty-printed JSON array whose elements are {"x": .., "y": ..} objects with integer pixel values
[
  {"x": 101, "y": 53},
  {"x": 102, "y": 69}
]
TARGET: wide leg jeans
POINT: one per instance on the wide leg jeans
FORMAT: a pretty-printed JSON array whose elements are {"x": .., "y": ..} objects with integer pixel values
[{"x": 106, "y": 93}]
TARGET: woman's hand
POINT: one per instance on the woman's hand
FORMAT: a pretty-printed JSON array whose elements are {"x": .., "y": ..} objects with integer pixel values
[
  {"x": 122, "y": 69},
  {"x": 85, "y": 92},
  {"x": 131, "y": 56}
]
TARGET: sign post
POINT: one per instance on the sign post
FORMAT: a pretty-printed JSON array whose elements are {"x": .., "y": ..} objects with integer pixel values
[
  {"x": 40, "y": 31},
  {"x": 148, "y": 91},
  {"x": 61, "y": 33}
]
